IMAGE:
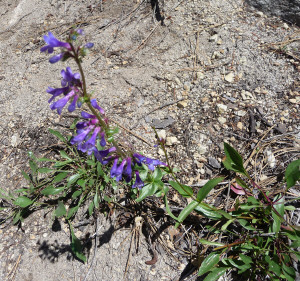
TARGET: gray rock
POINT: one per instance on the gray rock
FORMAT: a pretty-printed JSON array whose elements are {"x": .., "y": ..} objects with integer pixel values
[
  {"x": 288, "y": 10},
  {"x": 161, "y": 124},
  {"x": 214, "y": 162}
]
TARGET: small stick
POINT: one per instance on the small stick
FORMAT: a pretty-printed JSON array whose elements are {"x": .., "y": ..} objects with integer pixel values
[{"x": 130, "y": 132}]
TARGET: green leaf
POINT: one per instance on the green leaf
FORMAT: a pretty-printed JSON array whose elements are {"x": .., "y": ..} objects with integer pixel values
[
  {"x": 168, "y": 208},
  {"x": 96, "y": 200},
  {"x": 289, "y": 208},
  {"x": 233, "y": 160},
  {"x": 147, "y": 190},
  {"x": 273, "y": 266},
  {"x": 246, "y": 224},
  {"x": 208, "y": 213},
  {"x": 240, "y": 265},
  {"x": 60, "y": 210},
  {"x": 72, "y": 179},
  {"x": 59, "y": 177},
  {"x": 33, "y": 166},
  {"x": 279, "y": 207},
  {"x": 81, "y": 183},
  {"x": 62, "y": 163},
  {"x": 76, "y": 246},
  {"x": 186, "y": 211},
  {"x": 224, "y": 226},
  {"x": 208, "y": 263},
  {"x": 206, "y": 242},
  {"x": 63, "y": 154},
  {"x": 45, "y": 160},
  {"x": 76, "y": 194},
  {"x": 50, "y": 190},
  {"x": 99, "y": 169},
  {"x": 45, "y": 170},
  {"x": 202, "y": 193},
  {"x": 58, "y": 135},
  {"x": 17, "y": 217},
  {"x": 26, "y": 176},
  {"x": 245, "y": 259},
  {"x": 23, "y": 202},
  {"x": 216, "y": 274},
  {"x": 157, "y": 174},
  {"x": 292, "y": 173},
  {"x": 72, "y": 211},
  {"x": 225, "y": 214},
  {"x": 91, "y": 208},
  {"x": 186, "y": 192},
  {"x": 289, "y": 272}
]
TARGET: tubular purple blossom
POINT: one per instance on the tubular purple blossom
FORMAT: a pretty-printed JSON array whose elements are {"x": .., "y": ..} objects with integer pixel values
[
  {"x": 102, "y": 141},
  {"x": 56, "y": 92},
  {"x": 56, "y": 58},
  {"x": 95, "y": 105},
  {"x": 128, "y": 171},
  {"x": 89, "y": 45},
  {"x": 138, "y": 182},
  {"x": 81, "y": 136},
  {"x": 151, "y": 163},
  {"x": 90, "y": 144},
  {"x": 114, "y": 168},
  {"x": 53, "y": 43},
  {"x": 62, "y": 102},
  {"x": 117, "y": 171},
  {"x": 68, "y": 78},
  {"x": 72, "y": 106},
  {"x": 101, "y": 154}
]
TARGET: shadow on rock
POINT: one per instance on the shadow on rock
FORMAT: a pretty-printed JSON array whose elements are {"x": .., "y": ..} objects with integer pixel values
[{"x": 288, "y": 10}]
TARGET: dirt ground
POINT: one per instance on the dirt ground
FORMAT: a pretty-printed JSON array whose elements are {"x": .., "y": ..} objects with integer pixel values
[{"x": 198, "y": 70}]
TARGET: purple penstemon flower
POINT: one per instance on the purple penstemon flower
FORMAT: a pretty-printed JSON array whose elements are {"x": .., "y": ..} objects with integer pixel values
[
  {"x": 52, "y": 43},
  {"x": 138, "y": 182},
  {"x": 117, "y": 171},
  {"x": 69, "y": 78},
  {"x": 151, "y": 163},
  {"x": 95, "y": 105},
  {"x": 82, "y": 134},
  {"x": 69, "y": 81},
  {"x": 62, "y": 102},
  {"x": 128, "y": 170},
  {"x": 102, "y": 154},
  {"x": 90, "y": 144}
]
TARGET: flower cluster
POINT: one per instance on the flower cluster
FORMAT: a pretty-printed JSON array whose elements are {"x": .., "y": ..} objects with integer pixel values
[
  {"x": 95, "y": 126},
  {"x": 71, "y": 88}
]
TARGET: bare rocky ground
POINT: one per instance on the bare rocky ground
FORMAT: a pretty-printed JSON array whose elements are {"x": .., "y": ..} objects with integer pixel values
[{"x": 214, "y": 70}]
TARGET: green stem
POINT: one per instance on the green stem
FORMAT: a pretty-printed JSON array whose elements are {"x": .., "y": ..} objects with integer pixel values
[{"x": 88, "y": 101}]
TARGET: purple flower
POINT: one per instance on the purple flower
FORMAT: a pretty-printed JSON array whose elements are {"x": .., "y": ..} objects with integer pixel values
[
  {"x": 89, "y": 45},
  {"x": 90, "y": 144},
  {"x": 72, "y": 106},
  {"x": 114, "y": 168},
  {"x": 81, "y": 136},
  {"x": 101, "y": 154},
  {"x": 62, "y": 102},
  {"x": 138, "y": 182},
  {"x": 151, "y": 163},
  {"x": 56, "y": 92},
  {"x": 56, "y": 58},
  {"x": 102, "y": 141},
  {"x": 95, "y": 105},
  {"x": 68, "y": 78},
  {"x": 69, "y": 82},
  {"x": 53, "y": 43},
  {"x": 117, "y": 171},
  {"x": 128, "y": 170},
  {"x": 87, "y": 115}
]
